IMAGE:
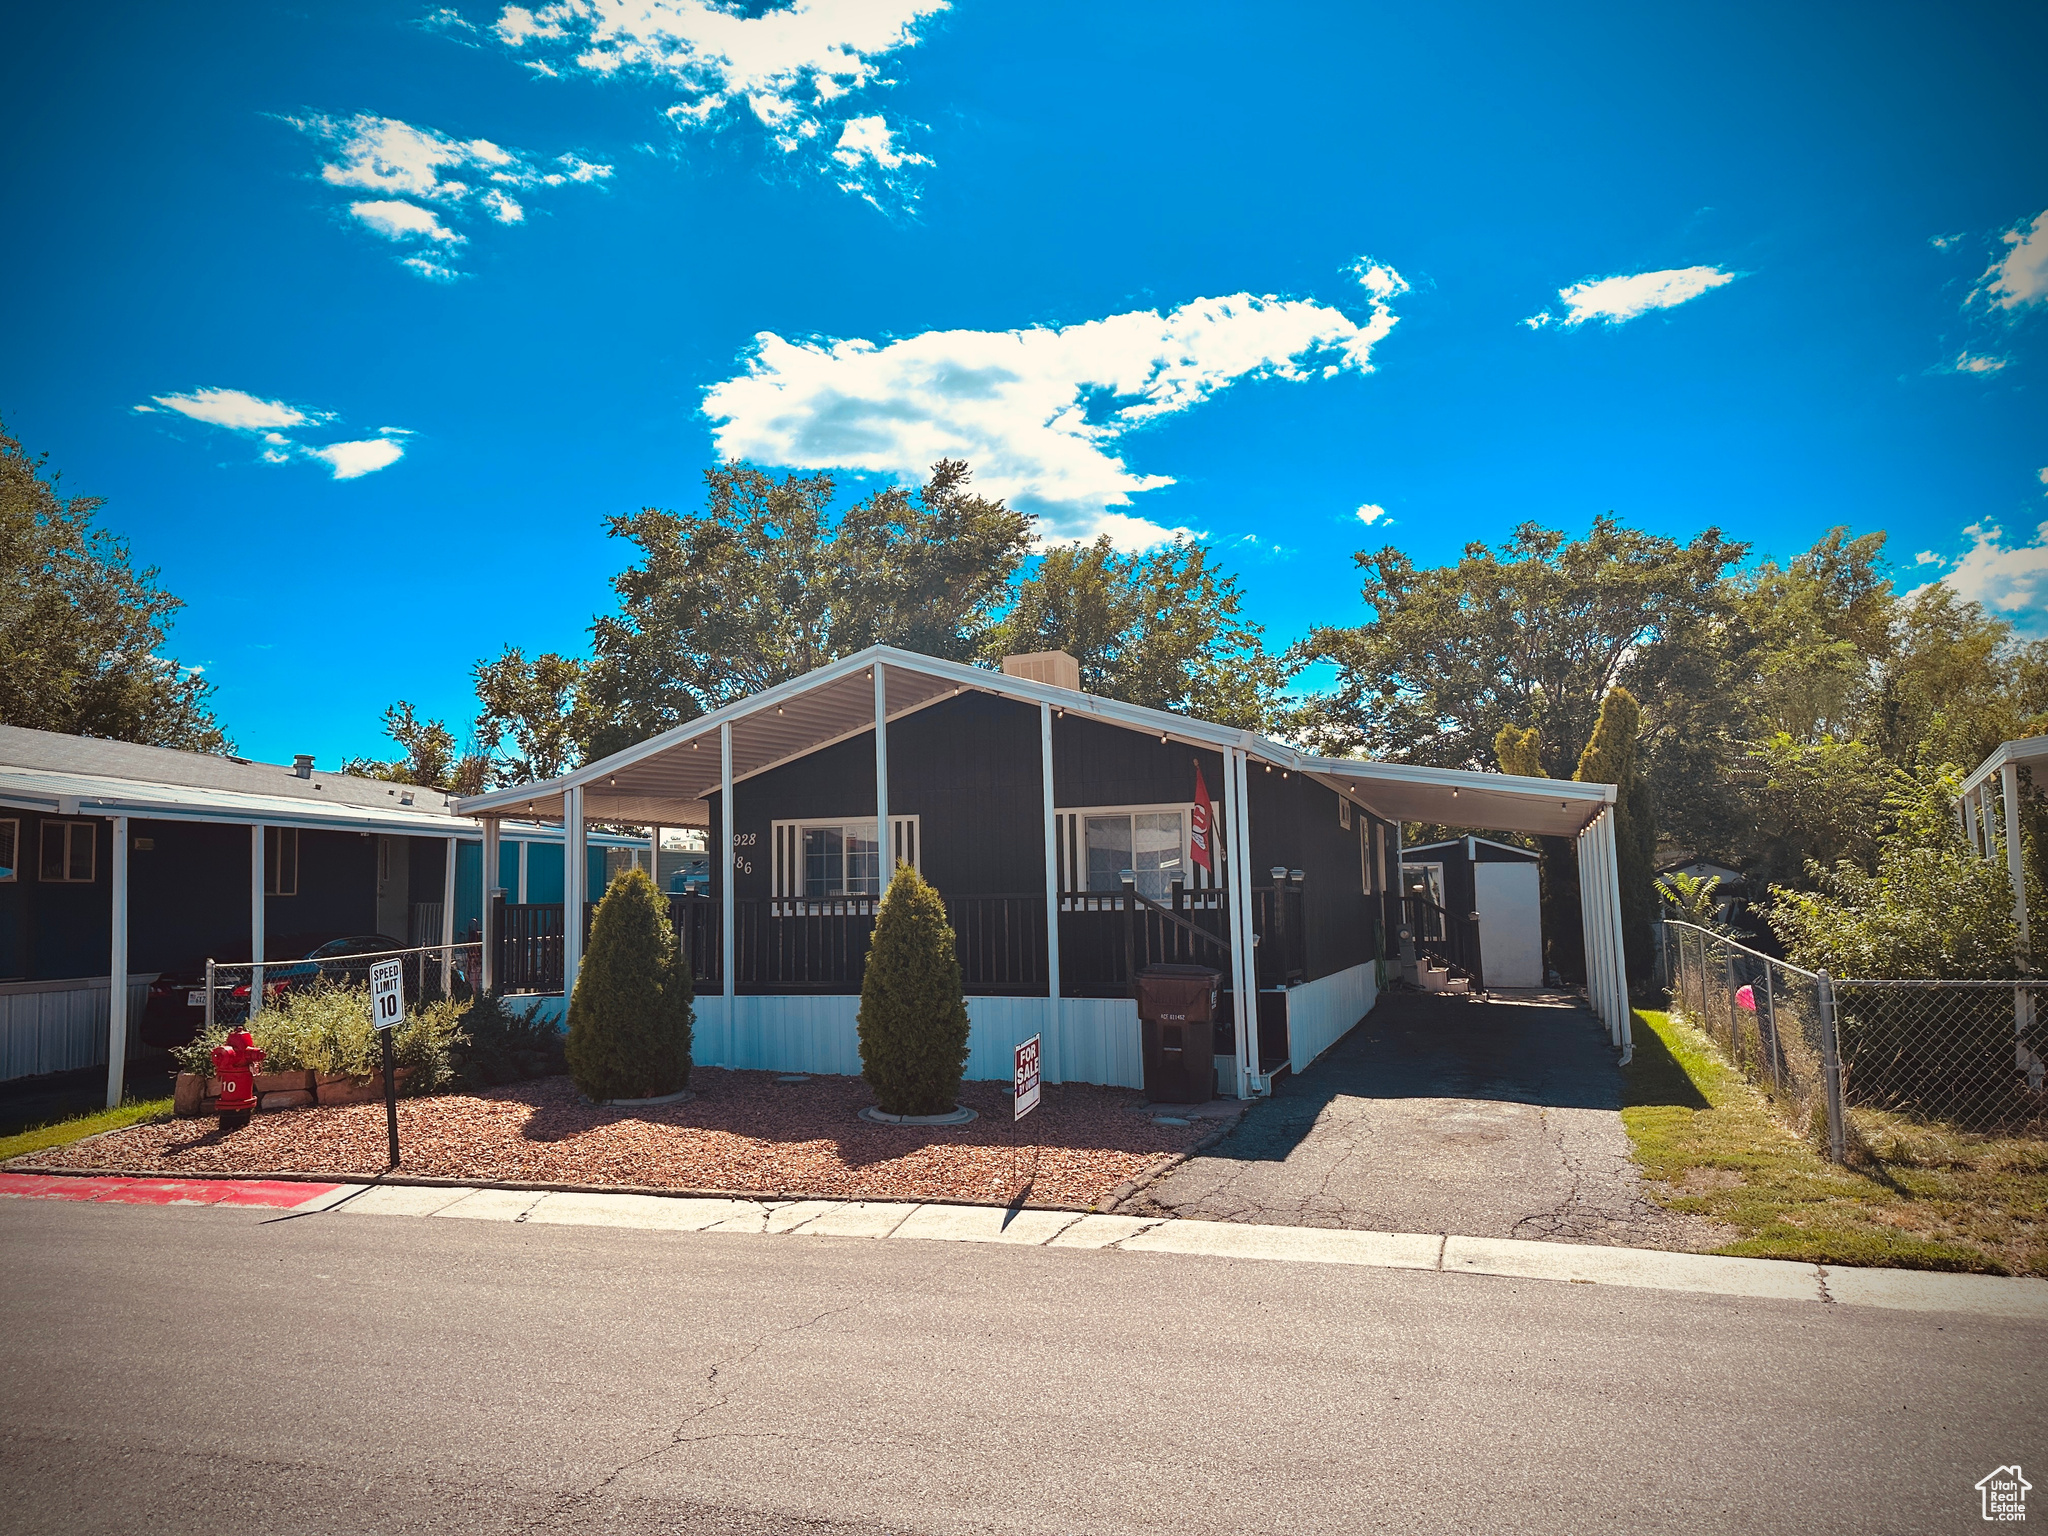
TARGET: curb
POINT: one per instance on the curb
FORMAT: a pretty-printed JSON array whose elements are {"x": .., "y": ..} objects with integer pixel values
[
  {"x": 1130, "y": 1187},
  {"x": 436, "y": 1181}
]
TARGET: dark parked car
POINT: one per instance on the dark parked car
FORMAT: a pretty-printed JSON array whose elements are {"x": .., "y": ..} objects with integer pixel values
[{"x": 176, "y": 1011}]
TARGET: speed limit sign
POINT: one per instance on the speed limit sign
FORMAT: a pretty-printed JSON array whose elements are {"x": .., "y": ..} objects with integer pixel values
[{"x": 387, "y": 994}]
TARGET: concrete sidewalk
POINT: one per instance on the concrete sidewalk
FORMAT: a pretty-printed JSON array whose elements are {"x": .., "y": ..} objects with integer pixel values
[{"x": 1568, "y": 1263}]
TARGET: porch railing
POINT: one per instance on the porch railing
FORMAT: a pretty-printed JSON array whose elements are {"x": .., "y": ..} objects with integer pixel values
[
  {"x": 1449, "y": 938},
  {"x": 786, "y": 944}
]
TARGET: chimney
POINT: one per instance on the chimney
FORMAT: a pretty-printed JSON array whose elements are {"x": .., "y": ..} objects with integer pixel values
[
  {"x": 1054, "y": 667},
  {"x": 302, "y": 765}
]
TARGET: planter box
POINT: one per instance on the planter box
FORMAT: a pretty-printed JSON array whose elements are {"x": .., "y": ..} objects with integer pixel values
[
  {"x": 338, "y": 1088},
  {"x": 284, "y": 1082}
]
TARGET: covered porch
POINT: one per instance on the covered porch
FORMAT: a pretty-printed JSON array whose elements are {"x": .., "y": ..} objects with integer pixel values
[{"x": 778, "y": 969}]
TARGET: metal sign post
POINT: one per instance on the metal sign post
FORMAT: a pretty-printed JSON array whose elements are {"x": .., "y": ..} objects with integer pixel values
[{"x": 387, "y": 1012}]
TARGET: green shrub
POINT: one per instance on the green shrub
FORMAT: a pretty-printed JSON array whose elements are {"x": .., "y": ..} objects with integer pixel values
[
  {"x": 328, "y": 1029},
  {"x": 913, "y": 1018},
  {"x": 631, "y": 1013},
  {"x": 494, "y": 1044}
]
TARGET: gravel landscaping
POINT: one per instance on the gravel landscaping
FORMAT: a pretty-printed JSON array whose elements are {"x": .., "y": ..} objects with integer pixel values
[{"x": 744, "y": 1133}]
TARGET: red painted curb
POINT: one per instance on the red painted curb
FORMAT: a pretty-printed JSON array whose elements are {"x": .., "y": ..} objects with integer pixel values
[{"x": 269, "y": 1194}]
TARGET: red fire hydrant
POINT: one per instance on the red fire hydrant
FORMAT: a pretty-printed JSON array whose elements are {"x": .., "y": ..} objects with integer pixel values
[{"x": 234, "y": 1063}]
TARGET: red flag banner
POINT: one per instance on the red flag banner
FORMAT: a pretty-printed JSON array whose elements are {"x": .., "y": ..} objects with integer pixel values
[{"x": 1199, "y": 821}]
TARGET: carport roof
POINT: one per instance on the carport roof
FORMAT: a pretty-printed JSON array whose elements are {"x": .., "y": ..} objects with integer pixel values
[{"x": 668, "y": 779}]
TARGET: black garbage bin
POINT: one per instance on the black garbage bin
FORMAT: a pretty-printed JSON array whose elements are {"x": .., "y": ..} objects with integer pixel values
[{"x": 1177, "y": 1007}]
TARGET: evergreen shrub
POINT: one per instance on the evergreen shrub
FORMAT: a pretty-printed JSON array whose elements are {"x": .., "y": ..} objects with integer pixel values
[
  {"x": 913, "y": 1015},
  {"x": 631, "y": 1014}
]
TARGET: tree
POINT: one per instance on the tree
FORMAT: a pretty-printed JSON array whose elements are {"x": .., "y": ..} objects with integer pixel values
[
  {"x": 1519, "y": 751},
  {"x": 1931, "y": 908},
  {"x": 764, "y": 585},
  {"x": 1957, "y": 684},
  {"x": 1610, "y": 758},
  {"x": 82, "y": 631},
  {"x": 431, "y": 759},
  {"x": 1163, "y": 629},
  {"x": 1534, "y": 634},
  {"x": 631, "y": 1015},
  {"x": 913, "y": 1016},
  {"x": 1809, "y": 803},
  {"x": 542, "y": 705},
  {"x": 1694, "y": 899}
]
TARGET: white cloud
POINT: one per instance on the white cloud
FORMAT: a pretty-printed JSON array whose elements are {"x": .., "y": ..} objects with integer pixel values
[
  {"x": 1618, "y": 299},
  {"x": 404, "y": 221},
  {"x": 234, "y": 409},
  {"x": 2021, "y": 275},
  {"x": 1370, "y": 514},
  {"x": 352, "y": 460},
  {"x": 1943, "y": 242},
  {"x": 1967, "y": 363},
  {"x": 790, "y": 67},
  {"x": 870, "y": 137},
  {"x": 1928, "y": 557},
  {"x": 425, "y": 177},
  {"x": 2044, "y": 475},
  {"x": 260, "y": 421},
  {"x": 1038, "y": 413},
  {"x": 2010, "y": 578}
]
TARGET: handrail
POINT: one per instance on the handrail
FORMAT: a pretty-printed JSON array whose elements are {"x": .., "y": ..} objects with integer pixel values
[{"x": 1175, "y": 918}]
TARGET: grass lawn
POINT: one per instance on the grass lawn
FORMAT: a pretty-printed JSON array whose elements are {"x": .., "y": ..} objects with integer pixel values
[
  {"x": 1912, "y": 1196},
  {"x": 42, "y": 1138}
]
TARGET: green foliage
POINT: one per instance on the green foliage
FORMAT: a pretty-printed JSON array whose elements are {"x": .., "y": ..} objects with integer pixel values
[
  {"x": 1932, "y": 907},
  {"x": 1610, "y": 758},
  {"x": 631, "y": 1014},
  {"x": 63, "y": 1132},
  {"x": 1810, "y": 802},
  {"x": 1520, "y": 751},
  {"x": 765, "y": 584},
  {"x": 542, "y": 705},
  {"x": 82, "y": 632},
  {"x": 913, "y": 1016},
  {"x": 1164, "y": 630},
  {"x": 493, "y": 1044},
  {"x": 328, "y": 1029},
  {"x": 1694, "y": 899},
  {"x": 431, "y": 759}
]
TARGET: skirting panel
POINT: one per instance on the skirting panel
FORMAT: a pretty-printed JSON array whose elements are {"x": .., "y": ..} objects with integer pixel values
[
  {"x": 61, "y": 1026},
  {"x": 1322, "y": 1012},
  {"x": 1096, "y": 1041}
]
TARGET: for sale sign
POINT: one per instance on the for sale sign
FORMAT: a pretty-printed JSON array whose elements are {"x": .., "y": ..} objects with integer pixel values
[
  {"x": 1027, "y": 1078},
  {"x": 387, "y": 994}
]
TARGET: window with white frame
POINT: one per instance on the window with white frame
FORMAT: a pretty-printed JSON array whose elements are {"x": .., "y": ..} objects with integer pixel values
[
  {"x": 822, "y": 860},
  {"x": 1097, "y": 844},
  {"x": 1344, "y": 813},
  {"x": 281, "y": 861},
  {"x": 10, "y": 849},
  {"x": 70, "y": 849}
]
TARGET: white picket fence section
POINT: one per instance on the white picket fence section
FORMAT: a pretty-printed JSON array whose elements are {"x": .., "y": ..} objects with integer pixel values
[
  {"x": 61, "y": 1026},
  {"x": 1322, "y": 1012}
]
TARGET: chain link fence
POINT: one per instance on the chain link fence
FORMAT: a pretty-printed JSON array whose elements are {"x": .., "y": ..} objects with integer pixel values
[
  {"x": 1965, "y": 1054},
  {"x": 1771, "y": 1019},
  {"x": 430, "y": 972}
]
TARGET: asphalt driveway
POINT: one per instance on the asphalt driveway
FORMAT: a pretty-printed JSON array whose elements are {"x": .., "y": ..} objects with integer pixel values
[{"x": 1481, "y": 1118}]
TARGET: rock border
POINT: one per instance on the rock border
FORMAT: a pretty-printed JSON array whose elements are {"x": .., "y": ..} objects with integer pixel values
[
  {"x": 959, "y": 1114},
  {"x": 680, "y": 1096}
]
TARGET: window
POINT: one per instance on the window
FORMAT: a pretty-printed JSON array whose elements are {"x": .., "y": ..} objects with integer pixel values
[
  {"x": 10, "y": 844},
  {"x": 281, "y": 861},
  {"x": 819, "y": 860},
  {"x": 69, "y": 851},
  {"x": 1097, "y": 846},
  {"x": 1344, "y": 813}
]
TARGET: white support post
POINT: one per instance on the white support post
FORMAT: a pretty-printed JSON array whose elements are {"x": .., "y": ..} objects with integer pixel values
[
  {"x": 1617, "y": 976},
  {"x": 117, "y": 970},
  {"x": 448, "y": 921},
  {"x": 575, "y": 886},
  {"x": 728, "y": 982},
  {"x": 1236, "y": 866},
  {"x": 654, "y": 855},
  {"x": 884, "y": 843},
  {"x": 2015, "y": 859},
  {"x": 256, "y": 919},
  {"x": 487, "y": 878},
  {"x": 1246, "y": 937},
  {"x": 1051, "y": 1044},
  {"x": 1588, "y": 942},
  {"x": 519, "y": 852}
]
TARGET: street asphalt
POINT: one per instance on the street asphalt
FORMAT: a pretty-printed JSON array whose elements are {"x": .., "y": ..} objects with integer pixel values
[
  {"x": 1487, "y": 1118},
  {"x": 229, "y": 1370}
]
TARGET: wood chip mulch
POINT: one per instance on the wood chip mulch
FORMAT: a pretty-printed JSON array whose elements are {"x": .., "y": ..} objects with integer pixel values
[{"x": 744, "y": 1134}]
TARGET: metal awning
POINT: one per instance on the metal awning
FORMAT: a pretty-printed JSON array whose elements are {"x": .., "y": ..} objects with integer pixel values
[
  {"x": 667, "y": 778},
  {"x": 2027, "y": 752},
  {"x": 82, "y": 794}
]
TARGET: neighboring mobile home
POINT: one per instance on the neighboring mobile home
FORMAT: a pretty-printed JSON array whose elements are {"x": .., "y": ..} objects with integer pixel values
[{"x": 1142, "y": 835}]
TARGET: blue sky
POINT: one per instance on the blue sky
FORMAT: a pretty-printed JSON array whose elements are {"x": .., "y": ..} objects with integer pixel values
[{"x": 363, "y": 318}]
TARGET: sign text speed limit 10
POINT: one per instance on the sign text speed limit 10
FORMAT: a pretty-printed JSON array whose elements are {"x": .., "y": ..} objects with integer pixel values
[{"x": 387, "y": 993}]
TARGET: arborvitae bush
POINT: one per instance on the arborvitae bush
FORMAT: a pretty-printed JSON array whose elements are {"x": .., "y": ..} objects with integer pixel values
[
  {"x": 630, "y": 1016},
  {"x": 913, "y": 1017}
]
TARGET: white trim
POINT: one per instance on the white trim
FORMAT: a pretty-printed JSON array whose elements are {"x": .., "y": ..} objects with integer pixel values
[
  {"x": 69, "y": 826},
  {"x": 1528, "y": 853},
  {"x": 882, "y": 768},
  {"x": 787, "y": 879},
  {"x": 117, "y": 945},
  {"x": 2015, "y": 859},
  {"x": 256, "y": 914},
  {"x": 2007, "y": 753},
  {"x": 728, "y": 982},
  {"x": 1052, "y": 881},
  {"x": 575, "y": 888},
  {"x": 487, "y": 879},
  {"x": 1071, "y": 850}
]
